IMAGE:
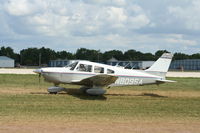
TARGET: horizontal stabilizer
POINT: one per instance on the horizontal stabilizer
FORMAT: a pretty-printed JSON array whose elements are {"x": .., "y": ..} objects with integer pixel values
[{"x": 160, "y": 81}]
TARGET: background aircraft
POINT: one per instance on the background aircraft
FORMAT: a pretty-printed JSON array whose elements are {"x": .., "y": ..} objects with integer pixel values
[{"x": 95, "y": 77}]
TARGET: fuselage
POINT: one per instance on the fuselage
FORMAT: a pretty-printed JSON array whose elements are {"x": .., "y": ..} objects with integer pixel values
[{"x": 84, "y": 69}]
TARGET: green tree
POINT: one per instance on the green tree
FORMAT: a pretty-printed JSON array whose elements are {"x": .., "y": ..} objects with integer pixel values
[
  {"x": 133, "y": 55},
  {"x": 148, "y": 57},
  {"x": 30, "y": 56},
  {"x": 64, "y": 55},
  {"x": 159, "y": 53},
  {"x": 47, "y": 54},
  {"x": 180, "y": 56},
  {"x": 117, "y": 54},
  {"x": 195, "y": 56},
  {"x": 8, "y": 51},
  {"x": 87, "y": 54}
]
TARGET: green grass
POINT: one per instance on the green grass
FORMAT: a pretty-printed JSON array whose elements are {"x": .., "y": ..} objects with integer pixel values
[
  {"x": 121, "y": 103},
  {"x": 23, "y": 81}
]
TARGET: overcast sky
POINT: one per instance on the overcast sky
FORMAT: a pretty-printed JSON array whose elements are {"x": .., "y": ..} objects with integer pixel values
[{"x": 144, "y": 25}]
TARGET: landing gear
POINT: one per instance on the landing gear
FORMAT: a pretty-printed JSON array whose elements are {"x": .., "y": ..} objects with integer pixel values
[
  {"x": 95, "y": 91},
  {"x": 84, "y": 89},
  {"x": 55, "y": 90}
]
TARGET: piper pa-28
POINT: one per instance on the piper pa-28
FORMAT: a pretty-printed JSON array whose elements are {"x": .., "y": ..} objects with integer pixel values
[{"x": 95, "y": 77}]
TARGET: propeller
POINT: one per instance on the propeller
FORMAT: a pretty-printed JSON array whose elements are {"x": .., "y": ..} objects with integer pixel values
[
  {"x": 39, "y": 76},
  {"x": 39, "y": 72}
]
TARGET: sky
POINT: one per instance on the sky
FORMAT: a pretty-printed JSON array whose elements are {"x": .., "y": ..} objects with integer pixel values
[{"x": 143, "y": 25}]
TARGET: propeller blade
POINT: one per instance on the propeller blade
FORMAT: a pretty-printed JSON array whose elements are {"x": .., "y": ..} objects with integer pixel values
[
  {"x": 39, "y": 72},
  {"x": 39, "y": 76}
]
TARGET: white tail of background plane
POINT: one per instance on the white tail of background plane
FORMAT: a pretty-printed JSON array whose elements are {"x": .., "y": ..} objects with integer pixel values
[{"x": 161, "y": 66}]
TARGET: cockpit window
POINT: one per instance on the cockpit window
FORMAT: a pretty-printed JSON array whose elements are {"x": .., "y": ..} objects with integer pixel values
[
  {"x": 72, "y": 66},
  {"x": 109, "y": 71},
  {"x": 84, "y": 68},
  {"x": 98, "y": 69}
]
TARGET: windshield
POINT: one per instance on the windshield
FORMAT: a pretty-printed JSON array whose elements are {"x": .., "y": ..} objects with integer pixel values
[{"x": 72, "y": 66}]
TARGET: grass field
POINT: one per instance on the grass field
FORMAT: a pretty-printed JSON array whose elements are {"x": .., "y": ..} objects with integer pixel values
[{"x": 25, "y": 106}]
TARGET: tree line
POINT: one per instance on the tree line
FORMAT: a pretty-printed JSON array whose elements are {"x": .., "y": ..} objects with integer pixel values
[{"x": 35, "y": 56}]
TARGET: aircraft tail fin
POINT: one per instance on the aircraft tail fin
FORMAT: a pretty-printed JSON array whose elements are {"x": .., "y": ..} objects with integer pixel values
[{"x": 161, "y": 66}]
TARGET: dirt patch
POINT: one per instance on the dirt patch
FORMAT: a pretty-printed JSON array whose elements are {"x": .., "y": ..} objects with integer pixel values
[
  {"x": 18, "y": 90},
  {"x": 133, "y": 93},
  {"x": 154, "y": 93},
  {"x": 101, "y": 127}
]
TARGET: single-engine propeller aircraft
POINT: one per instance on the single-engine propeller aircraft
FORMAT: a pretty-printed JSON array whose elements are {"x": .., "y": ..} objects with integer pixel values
[{"x": 95, "y": 77}]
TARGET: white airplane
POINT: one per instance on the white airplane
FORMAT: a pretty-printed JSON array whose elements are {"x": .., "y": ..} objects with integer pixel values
[{"x": 95, "y": 77}]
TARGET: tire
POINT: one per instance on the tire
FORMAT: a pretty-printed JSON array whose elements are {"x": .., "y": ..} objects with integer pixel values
[{"x": 53, "y": 92}]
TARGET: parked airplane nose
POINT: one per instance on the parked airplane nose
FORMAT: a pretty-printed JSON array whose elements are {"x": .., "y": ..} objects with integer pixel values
[{"x": 39, "y": 71}]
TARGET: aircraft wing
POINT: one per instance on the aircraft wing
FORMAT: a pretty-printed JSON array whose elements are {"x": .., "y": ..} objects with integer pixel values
[
  {"x": 97, "y": 80},
  {"x": 160, "y": 81}
]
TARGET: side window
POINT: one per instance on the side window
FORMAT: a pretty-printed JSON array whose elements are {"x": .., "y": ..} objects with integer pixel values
[
  {"x": 72, "y": 66},
  {"x": 84, "y": 68},
  {"x": 109, "y": 71},
  {"x": 98, "y": 69}
]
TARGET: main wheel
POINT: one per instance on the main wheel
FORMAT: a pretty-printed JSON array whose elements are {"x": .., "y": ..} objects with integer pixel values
[
  {"x": 55, "y": 89},
  {"x": 95, "y": 91}
]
